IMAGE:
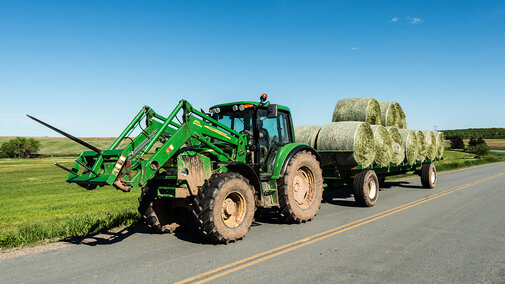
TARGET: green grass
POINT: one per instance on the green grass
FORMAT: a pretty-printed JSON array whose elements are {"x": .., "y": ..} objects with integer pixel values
[
  {"x": 37, "y": 204},
  {"x": 456, "y": 159}
]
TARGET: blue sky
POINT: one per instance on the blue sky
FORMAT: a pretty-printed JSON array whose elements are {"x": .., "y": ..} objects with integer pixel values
[{"x": 89, "y": 66}]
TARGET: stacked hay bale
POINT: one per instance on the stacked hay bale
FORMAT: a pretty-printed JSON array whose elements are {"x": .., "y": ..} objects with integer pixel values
[
  {"x": 307, "y": 134},
  {"x": 398, "y": 149},
  {"x": 410, "y": 143},
  {"x": 431, "y": 144},
  {"x": 389, "y": 113},
  {"x": 440, "y": 144},
  {"x": 366, "y": 131},
  {"x": 383, "y": 145},
  {"x": 354, "y": 140},
  {"x": 401, "y": 121},
  {"x": 358, "y": 109}
]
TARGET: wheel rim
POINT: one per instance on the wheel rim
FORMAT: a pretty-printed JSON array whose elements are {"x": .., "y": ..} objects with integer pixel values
[
  {"x": 433, "y": 176},
  {"x": 233, "y": 210},
  {"x": 372, "y": 189},
  {"x": 304, "y": 187}
]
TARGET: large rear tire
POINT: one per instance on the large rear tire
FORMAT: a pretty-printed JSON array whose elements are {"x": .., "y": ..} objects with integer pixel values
[
  {"x": 225, "y": 208},
  {"x": 159, "y": 214},
  {"x": 301, "y": 188},
  {"x": 366, "y": 188},
  {"x": 429, "y": 175}
]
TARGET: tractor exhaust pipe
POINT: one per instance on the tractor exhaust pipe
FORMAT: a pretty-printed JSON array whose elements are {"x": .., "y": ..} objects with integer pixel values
[{"x": 71, "y": 137}]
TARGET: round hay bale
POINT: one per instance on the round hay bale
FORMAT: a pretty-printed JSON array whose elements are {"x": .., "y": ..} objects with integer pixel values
[
  {"x": 401, "y": 121},
  {"x": 398, "y": 153},
  {"x": 389, "y": 113},
  {"x": 440, "y": 144},
  {"x": 355, "y": 140},
  {"x": 357, "y": 109},
  {"x": 409, "y": 140},
  {"x": 307, "y": 134},
  {"x": 421, "y": 146},
  {"x": 431, "y": 144},
  {"x": 383, "y": 145}
]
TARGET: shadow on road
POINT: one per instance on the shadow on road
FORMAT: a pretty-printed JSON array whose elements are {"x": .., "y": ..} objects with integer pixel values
[{"x": 336, "y": 195}]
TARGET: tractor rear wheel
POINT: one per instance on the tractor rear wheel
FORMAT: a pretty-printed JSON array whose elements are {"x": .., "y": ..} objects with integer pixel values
[
  {"x": 301, "y": 188},
  {"x": 366, "y": 188},
  {"x": 160, "y": 214},
  {"x": 428, "y": 175},
  {"x": 225, "y": 207}
]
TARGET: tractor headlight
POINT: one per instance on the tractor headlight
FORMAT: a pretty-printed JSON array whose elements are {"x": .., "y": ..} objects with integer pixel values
[
  {"x": 217, "y": 110},
  {"x": 241, "y": 107},
  {"x": 235, "y": 108}
]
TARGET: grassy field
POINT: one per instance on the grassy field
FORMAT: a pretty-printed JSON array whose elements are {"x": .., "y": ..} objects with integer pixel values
[
  {"x": 37, "y": 204},
  {"x": 52, "y": 146}
]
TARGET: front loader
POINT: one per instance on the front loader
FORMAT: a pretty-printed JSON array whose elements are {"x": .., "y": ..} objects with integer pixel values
[{"x": 218, "y": 167}]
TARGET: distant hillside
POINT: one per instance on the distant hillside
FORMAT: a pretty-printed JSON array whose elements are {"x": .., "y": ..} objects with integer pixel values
[{"x": 485, "y": 133}]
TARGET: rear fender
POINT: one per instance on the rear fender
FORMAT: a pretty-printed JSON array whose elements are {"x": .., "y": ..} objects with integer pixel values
[{"x": 286, "y": 153}]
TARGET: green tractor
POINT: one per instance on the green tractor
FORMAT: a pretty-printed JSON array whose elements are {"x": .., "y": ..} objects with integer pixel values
[{"x": 218, "y": 167}]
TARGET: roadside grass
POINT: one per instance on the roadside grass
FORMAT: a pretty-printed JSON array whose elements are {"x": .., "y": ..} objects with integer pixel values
[
  {"x": 457, "y": 159},
  {"x": 38, "y": 205}
]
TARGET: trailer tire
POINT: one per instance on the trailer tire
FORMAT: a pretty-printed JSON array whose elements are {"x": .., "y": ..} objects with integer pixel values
[
  {"x": 301, "y": 188},
  {"x": 429, "y": 175},
  {"x": 225, "y": 207},
  {"x": 366, "y": 188},
  {"x": 159, "y": 214}
]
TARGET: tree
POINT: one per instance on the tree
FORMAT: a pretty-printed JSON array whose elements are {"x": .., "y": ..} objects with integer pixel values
[
  {"x": 479, "y": 149},
  {"x": 457, "y": 142},
  {"x": 20, "y": 147},
  {"x": 472, "y": 142}
]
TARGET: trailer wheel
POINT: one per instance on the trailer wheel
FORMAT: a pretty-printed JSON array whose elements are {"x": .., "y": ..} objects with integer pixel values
[
  {"x": 159, "y": 214},
  {"x": 301, "y": 188},
  {"x": 428, "y": 175},
  {"x": 366, "y": 188},
  {"x": 225, "y": 207}
]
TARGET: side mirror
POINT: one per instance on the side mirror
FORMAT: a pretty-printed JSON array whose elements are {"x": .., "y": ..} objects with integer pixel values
[{"x": 272, "y": 111}]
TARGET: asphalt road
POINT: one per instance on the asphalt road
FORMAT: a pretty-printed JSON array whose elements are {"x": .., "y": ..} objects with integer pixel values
[{"x": 451, "y": 234}]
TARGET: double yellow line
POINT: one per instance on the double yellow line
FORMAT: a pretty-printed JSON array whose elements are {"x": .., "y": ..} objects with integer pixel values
[{"x": 260, "y": 257}]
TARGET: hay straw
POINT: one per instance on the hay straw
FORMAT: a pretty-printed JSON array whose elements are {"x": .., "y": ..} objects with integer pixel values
[
  {"x": 357, "y": 109},
  {"x": 383, "y": 145},
  {"x": 431, "y": 144},
  {"x": 398, "y": 153},
  {"x": 421, "y": 146},
  {"x": 401, "y": 121},
  {"x": 409, "y": 140},
  {"x": 440, "y": 144},
  {"x": 353, "y": 136},
  {"x": 389, "y": 113},
  {"x": 307, "y": 134}
]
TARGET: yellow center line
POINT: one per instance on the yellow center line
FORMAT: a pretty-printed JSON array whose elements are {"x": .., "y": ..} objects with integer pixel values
[{"x": 260, "y": 257}]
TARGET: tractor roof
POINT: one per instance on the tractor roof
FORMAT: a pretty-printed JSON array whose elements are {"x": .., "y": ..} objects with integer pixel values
[{"x": 247, "y": 102}]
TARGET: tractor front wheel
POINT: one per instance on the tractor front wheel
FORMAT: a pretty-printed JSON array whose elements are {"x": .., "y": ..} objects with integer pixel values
[
  {"x": 301, "y": 188},
  {"x": 225, "y": 208},
  {"x": 160, "y": 214}
]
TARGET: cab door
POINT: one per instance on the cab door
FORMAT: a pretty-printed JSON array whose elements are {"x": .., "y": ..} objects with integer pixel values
[{"x": 273, "y": 133}]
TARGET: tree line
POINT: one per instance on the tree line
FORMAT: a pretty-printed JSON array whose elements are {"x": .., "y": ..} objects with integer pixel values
[{"x": 484, "y": 133}]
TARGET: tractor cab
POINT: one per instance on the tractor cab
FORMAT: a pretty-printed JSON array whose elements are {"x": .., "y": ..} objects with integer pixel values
[{"x": 267, "y": 127}]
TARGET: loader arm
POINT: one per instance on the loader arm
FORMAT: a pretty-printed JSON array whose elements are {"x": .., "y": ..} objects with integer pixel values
[{"x": 130, "y": 168}]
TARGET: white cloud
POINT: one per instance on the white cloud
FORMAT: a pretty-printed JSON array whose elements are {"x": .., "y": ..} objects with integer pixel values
[
  {"x": 414, "y": 20},
  {"x": 395, "y": 19},
  {"x": 354, "y": 48}
]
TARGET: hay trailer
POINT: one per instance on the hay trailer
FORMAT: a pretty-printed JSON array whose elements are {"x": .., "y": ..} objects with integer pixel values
[{"x": 366, "y": 181}]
